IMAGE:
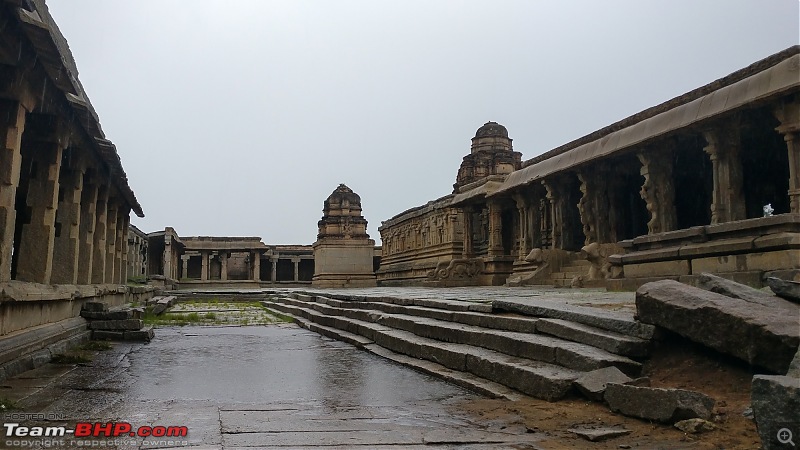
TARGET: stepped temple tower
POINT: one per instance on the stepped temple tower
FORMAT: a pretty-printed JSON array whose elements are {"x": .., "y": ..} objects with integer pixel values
[{"x": 343, "y": 252}]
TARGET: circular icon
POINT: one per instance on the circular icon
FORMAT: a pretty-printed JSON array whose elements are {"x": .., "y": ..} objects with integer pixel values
[{"x": 785, "y": 436}]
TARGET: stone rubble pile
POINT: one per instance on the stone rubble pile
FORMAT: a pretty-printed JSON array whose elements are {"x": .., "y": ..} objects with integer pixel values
[{"x": 119, "y": 324}]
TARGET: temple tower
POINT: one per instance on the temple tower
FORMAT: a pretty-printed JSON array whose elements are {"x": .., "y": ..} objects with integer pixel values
[{"x": 343, "y": 252}]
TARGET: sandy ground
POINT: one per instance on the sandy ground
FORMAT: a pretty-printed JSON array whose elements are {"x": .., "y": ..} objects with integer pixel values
[{"x": 680, "y": 364}]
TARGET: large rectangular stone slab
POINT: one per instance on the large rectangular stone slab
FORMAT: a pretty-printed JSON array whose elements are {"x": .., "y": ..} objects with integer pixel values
[
  {"x": 128, "y": 324},
  {"x": 660, "y": 405},
  {"x": 762, "y": 335}
]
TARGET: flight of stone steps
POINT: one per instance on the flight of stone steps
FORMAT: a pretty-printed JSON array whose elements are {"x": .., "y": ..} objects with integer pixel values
[
  {"x": 568, "y": 272},
  {"x": 498, "y": 354}
]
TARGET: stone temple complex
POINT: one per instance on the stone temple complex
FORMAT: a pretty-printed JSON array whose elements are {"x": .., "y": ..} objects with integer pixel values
[
  {"x": 704, "y": 184},
  {"x": 670, "y": 192}
]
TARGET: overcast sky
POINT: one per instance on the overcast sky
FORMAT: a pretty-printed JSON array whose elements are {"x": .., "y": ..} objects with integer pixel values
[{"x": 238, "y": 118}]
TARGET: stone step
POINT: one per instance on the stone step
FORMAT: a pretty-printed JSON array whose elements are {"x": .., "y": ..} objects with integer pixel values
[
  {"x": 607, "y": 320},
  {"x": 495, "y": 320},
  {"x": 466, "y": 380},
  {"x": 617, "y": 343},
  {"x": 450, "y": 305},
  {"x": 537, "y": 347},
  {"x": 537, "y": 379},
  {"x": 567, "y": 274}
]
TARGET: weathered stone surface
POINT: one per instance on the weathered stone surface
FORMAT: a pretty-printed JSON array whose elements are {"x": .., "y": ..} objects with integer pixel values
[
  {"x": 661, "y": 405},
  {"x": 119, "y": 314},
  {"x": 128, "y": 324},
  {"x": 790, "y": 290},
  {"x": 145, "y": 334},
  {"x": 163, "y": 304},
  {"x": 776, "y": 403},
  {"x": 766, "y": 336},
  {"x": 108, "y": 335},
  {"x": 598, "y": 433},
  {"x": 694, "y": 426},
  {"x": 593, "y": 384},
  {"x": 732, "y": 289},
  {"x": 794, "y": 367},
  {"x": 94, "y": 306},
  {"x": 613, "y": 342}
]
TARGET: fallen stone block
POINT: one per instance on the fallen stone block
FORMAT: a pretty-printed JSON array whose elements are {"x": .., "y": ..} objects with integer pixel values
[
  {"x": 661, "y": 405},
  {"x": 597, "y": 433},
  {"x": 163, "y": 304},
  {"x": 105, "y": 335},
  {"x": 694, "y": 426},
  {"x": 776, "y": 406},
  {"x": 118, "y": 314},
  {"x": 794, "y": 366},
  {"x": 728, "y": 288},
  {"x": 137, "y": 313},
  {"x": 94, "y": 306},
  {"x": 593, "y": 384},
  {"x": 790, "y": 290},
  {"x": 766, "y": 336},
  {"x": 116, "y": 325},
  {"x": 145, "y": 334}
]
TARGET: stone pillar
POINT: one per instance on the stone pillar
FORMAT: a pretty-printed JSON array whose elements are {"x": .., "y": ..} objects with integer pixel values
[
  {"x": 35, "y": 259},
  {"x": 122, "y": 245},
  {"x": 256, "y": 265},
  {"x": 98, "y": 236},
  {"x": 88, "y": 218},
  {"x": 12, "y": 125},
  {"x": 658, "y": 190},
  {"x": 296, "y": 261},
  {"x": 586, "y": 207},
  {"x": 68, "y": 220},
  {"x": 167, "y": 255},
  {"x": 522, "y": 212},
  {"x": 789, "y": 116},
  {"x": 223, "y": 262},
  {"x": 724, "y": 145},
  {"x": 111, "y": 239},
  {"x": 495, "y": 229},
  {"x": 555, "y": 213},
  {"x": 204, "y": 266},
  {"x": 469, "y": 247},
  {"x": 185, "y": 267},
  {"x": 274, "y": 261}
]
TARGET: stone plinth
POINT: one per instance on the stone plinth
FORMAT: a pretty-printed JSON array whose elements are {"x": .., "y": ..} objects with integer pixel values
[{"x": 343, "y": 252}]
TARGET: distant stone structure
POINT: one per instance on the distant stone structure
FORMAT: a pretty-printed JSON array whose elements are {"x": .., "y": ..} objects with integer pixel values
[
  {"x": 343, "y": 252},
  {"x": 671, "y": 192},
  {"x": 208, "y": 261}
]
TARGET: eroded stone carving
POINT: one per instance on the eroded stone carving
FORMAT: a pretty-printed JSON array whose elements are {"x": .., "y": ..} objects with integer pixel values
[{"x": 457, "y": 269}]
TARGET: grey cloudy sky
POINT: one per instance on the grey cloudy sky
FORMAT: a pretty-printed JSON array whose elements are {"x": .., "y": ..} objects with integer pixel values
[{"x": 238, "y": 118}]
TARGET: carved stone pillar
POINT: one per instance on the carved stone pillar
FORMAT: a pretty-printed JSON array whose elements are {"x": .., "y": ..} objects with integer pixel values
[
  {"x": 223, "y": 262},
  {"x": 724, "y": 145},
  {"x": 12, "y": 125},
  {"x": 586, "y": 207},
  {"x": 68, "y": 220},
  {"x": 274, "y": 275},
  {"x": 257, "y": 266},
  {"x": 99, "y": 244},
  {"x": 469, "y": 247},
  {"x": 495, "y": 229},
  {"x": 789, "y": 116},
  {"x": 523, "y": 229},
  {"x": 167, "y": 255},
  {"x": 43, "y": 148},
  {"x": 658, "y": 189},
  {"x": 556, "y": 213},
  {"x": 111, "y": 239},
  {"x": 296, "y": 262},
  {"x": 203, "y": 266},
  {"x": 88, "y": 219}
]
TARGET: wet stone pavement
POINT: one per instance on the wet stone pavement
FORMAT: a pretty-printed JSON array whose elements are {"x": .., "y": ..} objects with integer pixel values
[{"x": 274, "y": 386}]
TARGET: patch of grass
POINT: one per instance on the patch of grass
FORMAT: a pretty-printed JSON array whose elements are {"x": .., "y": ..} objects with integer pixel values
[
  {"x": 7, "y": 405},
  {"x": 210, "y": 316},
  {"x": 73, "y": 357},
  {"x": 192, "y": 317},
  {"x": 99, "y": 346}
]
